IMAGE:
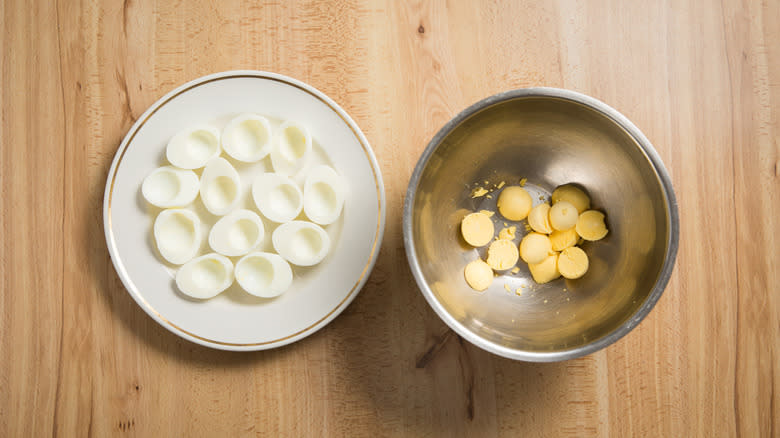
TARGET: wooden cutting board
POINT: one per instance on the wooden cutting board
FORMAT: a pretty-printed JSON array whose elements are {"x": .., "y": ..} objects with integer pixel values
[{"x": 78, "y": 357}]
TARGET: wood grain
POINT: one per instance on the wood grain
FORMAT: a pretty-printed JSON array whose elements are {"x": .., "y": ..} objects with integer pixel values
[{"x": 79, "y": 358}]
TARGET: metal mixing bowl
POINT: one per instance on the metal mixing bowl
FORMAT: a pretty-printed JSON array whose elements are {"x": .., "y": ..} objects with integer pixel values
[{"x": 551, "y": 137}]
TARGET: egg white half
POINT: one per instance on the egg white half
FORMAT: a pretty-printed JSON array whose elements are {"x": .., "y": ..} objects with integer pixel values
[
  {"x": 220, "y": 187},
  {"x": 301, "y": 243},
  {"x": 264, "y": 274},
  {"x": 193, "y": 147},
  {"x": 205, "y": 276},
  {"x": 277, "y": 197},
  {"x": 237, "y": 233},
  {"x": 169, "y": 186},
  {"x": 323, "y": 195},
  {"x": 291, "y": 153},
  {"x": 248, "y": 138},
  {"x": 177, "y": 233}
]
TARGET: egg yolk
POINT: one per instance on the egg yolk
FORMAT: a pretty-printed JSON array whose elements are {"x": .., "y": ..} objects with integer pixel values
[
  {"x": 563, "y": 216},
  {"x": 507, "y": 233},
  {"x": 514, "y": 203},
  {"x": 477, "y": 229},
  {"x": 539, "y": 219},
  {"x": 478, "y": 275},
  {"x": 535, "y": 247},
  {"x": 572, "y": 263},
  {"x": 573, "y": 195},
  {"x": 546, "y": 271},
  {"x": 561, "y": 240},
  {"x": 590, "y": 225},
  {"x": 502, "y": 254}
]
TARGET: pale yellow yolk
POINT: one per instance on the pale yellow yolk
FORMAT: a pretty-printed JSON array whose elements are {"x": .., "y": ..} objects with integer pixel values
[
  {"x": 478, "y": 275},
  {"x": 502, "y": 254},
  {"x": 514, "y": 203},
  {"x": 590, "y": 225},
  {"x": 539, "y": 219},
  {"x": 535, "y": 247},
  {"x": 545, "y": 271},
  {"x": 477, "y": 229},
  {"x": 561, "y": 240},
  {"x": 572, "y": 263},
  {"x": 563, "y": 216},
  {"x": 507, "y": 233},
  {"x": 550, "y": 248},
  {"x": 573, "y": 195},
  {"x": 479, "y": 191}
]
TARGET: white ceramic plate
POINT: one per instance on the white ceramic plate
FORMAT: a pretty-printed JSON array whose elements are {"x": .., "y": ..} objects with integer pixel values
[{"x": 236, "y": 320}]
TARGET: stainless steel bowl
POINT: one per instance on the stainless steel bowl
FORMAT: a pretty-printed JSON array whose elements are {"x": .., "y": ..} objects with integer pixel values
[{"x": 550, "y": 137}]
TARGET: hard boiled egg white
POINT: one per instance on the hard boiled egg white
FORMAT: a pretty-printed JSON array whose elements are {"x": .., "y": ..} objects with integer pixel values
[
  {"x": 291, "y": 152},
  {"x": 170, "y": 187},
  {"x": 247, "y": 138},
  {"x": 301, "y": 243},
  {"x": 237, "y": 233},
  {"x": 206, "y": 276},
  {"x": 264, "y": 274},
  {"x": 277, "y": 197},
  {"x": 178, "y": 235},
  {"x": 323, "y": 195},
  {"x": 193, "y": 147},
  {"x": 219, "y": 186}
]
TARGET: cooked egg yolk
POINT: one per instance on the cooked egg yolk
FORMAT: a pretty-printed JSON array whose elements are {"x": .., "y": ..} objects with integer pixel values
[
  {"x": 561, "y": 240},
  {"x": 545, "y": 271},
  {"x": 539, "y": 219},
  {"x": 502, "y": 254},
  {"x": 477, "y": 229},
  {"x": 535, "y": 247},
  {"x": 573, "y": 195},
  {"x": 572, "y": 262},
  {"x": 514, "y": 203},
  {"x": 590, "y": 225},
  {"x": 478, "y": 275},
  {"x": 563, "y": 216}
]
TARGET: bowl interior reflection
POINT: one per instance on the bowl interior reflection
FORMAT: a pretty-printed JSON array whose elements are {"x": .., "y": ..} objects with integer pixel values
[{"x": 550, "y": 141}]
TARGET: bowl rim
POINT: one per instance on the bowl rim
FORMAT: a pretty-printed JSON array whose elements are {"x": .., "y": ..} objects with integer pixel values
[{"x": 672, "y": 216}]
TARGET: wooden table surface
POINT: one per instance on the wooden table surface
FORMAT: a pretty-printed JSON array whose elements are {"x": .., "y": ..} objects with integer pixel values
[{"x": 78, "y": 357}]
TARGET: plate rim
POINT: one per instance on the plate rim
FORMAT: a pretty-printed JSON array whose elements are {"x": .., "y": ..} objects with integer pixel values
[{"x": 119, "y": 266}]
